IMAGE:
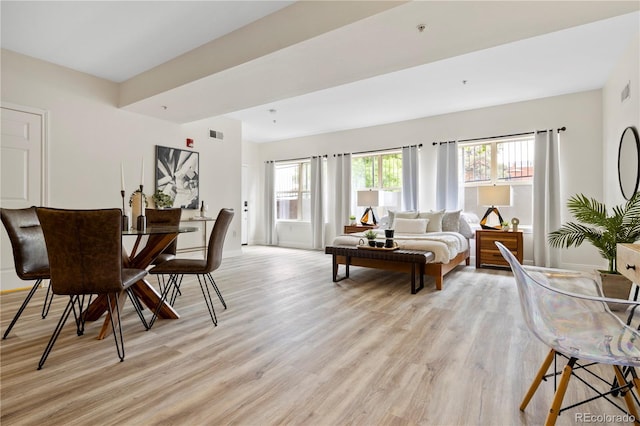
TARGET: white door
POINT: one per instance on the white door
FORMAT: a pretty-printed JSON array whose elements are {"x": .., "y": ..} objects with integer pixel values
[
  {"x": 21, "y": 171},
  {"x": 244, "y": 226}
]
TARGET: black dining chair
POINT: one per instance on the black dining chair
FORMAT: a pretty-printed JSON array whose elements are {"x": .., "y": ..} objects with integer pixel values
[
  {"x": 29, "y": 254},
  {"x": 201, "y": 268},
  {"x": 85, "y": 257}
]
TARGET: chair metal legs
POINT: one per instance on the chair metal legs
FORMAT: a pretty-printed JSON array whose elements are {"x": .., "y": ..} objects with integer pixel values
[
  {"x": 171, "y": 289},
  {"x": 22, "y": 307},
  {"x": 48, "y": 298},
  {"x": 58, "y": 329},
  {"x": 77, "y": 305},
  {"x": 620, "y": 386}
]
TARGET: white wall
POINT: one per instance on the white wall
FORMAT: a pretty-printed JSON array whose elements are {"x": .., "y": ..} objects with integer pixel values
[
  {"x": 618, "y": 115},
  {"x": 89, "y": 137},
  {"x": 581, "y": 148}
]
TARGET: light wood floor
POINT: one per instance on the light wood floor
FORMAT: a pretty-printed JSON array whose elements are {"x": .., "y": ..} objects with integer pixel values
[{"x": 293, "y": 348}]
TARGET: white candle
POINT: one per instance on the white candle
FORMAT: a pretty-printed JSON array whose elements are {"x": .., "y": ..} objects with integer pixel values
[
  {"x": 122, "y": 177},
  {"x": 142, "y": 173}
]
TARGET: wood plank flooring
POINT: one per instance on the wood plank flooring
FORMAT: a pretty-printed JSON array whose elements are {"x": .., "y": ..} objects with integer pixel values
[{"x": 292, "y": 348}]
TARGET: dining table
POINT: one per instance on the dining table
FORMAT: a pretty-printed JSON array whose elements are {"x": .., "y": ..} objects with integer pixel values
[{"x": 149, "y": 243}]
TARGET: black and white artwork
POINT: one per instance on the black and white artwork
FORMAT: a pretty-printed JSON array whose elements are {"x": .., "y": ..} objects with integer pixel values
[{"x": 177, "y": 175}]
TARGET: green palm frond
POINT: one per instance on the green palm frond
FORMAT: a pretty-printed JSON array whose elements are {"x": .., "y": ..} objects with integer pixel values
[{"x": 594, "y": 225}]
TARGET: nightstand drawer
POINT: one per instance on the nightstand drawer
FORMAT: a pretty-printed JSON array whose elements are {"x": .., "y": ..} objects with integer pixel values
[
  {"x": 487, "y": 252},
  {"x": 628, "y": 261}
]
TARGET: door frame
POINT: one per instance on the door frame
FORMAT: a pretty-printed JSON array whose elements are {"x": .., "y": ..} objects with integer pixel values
[{"x": 44, "y": 145}]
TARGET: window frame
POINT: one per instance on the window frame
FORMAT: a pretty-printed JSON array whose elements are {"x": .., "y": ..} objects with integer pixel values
[{"x": 300, "y": 185}]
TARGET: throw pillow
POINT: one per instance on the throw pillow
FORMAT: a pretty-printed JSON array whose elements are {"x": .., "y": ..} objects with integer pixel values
[
  {"x": 451, "y": 221},
  {"x": 411, "y": 226},
  {"x": 404, "y": 215},
  {"x": 435, "y": 220}
]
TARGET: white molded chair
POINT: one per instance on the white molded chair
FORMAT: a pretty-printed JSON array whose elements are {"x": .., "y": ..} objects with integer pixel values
[{"x": 579, "y": 326}]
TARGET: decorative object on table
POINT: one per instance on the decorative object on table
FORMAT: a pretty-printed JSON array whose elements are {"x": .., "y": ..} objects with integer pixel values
[
  {"x": 135, "y": 202},
  {"x": 162, "y": 200},
  {"x": 388, "y": 233},
  {"x": 125, "y": 217},
  {"x": 368, "y": 199},
  {"x": 629, "y": 162},
  {"x": 371, "y": 236},
  {"x": 141, "y": 222},
  {"x": 496, "y": 195},
  {"x": 204, "y": 209},
  {"x": 505, "y": 225},
  {"x": 352, "y": 220},
  {"x": 177, "y": 175},
  {"x": 514, "y": 223},
  {"x": 602, "y": 230}
]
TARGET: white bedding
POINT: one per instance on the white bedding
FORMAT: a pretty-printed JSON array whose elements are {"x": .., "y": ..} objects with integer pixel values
[{"x": 444, "y": 245}]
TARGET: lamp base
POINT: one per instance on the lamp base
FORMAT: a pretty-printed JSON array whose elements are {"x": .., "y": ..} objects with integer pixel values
[
  {"x": 364, "y": 220},
  {"x": 483, "y": 221}
]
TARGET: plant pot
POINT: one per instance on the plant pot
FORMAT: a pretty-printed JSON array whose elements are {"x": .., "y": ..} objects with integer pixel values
[{"x": 615, "y": 286}]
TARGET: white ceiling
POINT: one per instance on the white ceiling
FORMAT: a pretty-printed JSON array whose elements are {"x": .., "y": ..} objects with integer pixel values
[{"x": 373, "y": 71}]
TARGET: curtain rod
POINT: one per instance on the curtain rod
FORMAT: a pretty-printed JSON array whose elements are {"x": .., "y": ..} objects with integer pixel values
[
  {"x": 379, "y": 150},
  {"x": 561, "y": 129},
  {"x": 296, "y": 159}
]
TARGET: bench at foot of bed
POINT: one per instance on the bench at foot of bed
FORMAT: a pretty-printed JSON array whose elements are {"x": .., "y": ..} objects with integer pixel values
[{"x": 412, "y": 261}]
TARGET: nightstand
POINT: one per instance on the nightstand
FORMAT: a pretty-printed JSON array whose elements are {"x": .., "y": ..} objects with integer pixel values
[
  {"x": 350, "y": 229},
  {"x": 488, "y": 254}
]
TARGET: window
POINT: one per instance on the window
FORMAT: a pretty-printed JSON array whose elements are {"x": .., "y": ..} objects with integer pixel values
[
  {"x": 500, "y": 161},
  {"x": 381, "y": 171},
  {"x": 293, "y": 191}
]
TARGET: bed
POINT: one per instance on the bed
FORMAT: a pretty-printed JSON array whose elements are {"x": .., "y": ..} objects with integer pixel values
[{"x": 446, "y": 234}]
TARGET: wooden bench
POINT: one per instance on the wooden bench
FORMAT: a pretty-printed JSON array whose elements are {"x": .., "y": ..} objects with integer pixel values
[{"x": 412, "y": 261}]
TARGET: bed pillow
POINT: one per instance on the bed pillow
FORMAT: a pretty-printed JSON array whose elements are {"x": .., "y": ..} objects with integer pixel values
[
  {"x": 410, "y": 226},
  {"x": 469, "y": 223},
  {"x": 435, "y": 220},
  {"x": 451, "y": 221},
  {"x": 404, "y": 215}
]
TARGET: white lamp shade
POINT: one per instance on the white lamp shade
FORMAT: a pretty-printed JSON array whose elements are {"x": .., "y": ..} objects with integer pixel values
[
  {"x": 368, "y": 198},
  {"x": 496, "y": 195}
]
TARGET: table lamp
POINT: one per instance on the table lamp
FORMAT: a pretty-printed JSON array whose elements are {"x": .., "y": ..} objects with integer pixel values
[
  {"x": 496, "y": 195},
  {"x": 368, "y": 199}
]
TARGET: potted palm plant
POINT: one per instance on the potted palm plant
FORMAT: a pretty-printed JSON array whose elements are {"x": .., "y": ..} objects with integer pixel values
[{"x": 604, "y": 231}]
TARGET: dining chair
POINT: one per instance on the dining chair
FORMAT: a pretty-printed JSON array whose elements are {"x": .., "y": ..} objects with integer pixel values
[
  {"x": 579, "y": 327},
  {"x": 201, "y": 268},
  {"x": 85, "y": 259},
  {"x": 29, "y": 254},
  {"x": 164, "y": 217}
]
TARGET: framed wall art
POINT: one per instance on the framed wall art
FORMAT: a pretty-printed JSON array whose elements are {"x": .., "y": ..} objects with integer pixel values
[{"x": 178, "y": 176}]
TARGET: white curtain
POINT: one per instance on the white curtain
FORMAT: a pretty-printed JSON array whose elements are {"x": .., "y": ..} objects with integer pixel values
[
  {"x": 270, "y": 234},
  {"x": 339, "y": 170},
  {"x": 546, "y": 197},
  {"x": 410, "y": 178},
  {"x": 317, "y": 205},
  {"x": 447, "y": 176}
]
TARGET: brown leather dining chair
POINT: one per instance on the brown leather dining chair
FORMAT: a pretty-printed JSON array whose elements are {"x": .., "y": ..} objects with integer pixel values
[
  {"x": 201, "y": 268},
  {"x": 29, "y": 254},
  {"x": 85, "y": 259},
  {"x": 164, "y": 217}
]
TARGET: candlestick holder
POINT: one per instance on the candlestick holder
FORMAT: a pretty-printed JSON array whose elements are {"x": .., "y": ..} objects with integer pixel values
[
  {"x": 125, "y": 218},
  {"x": 142, "y": 219}
]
